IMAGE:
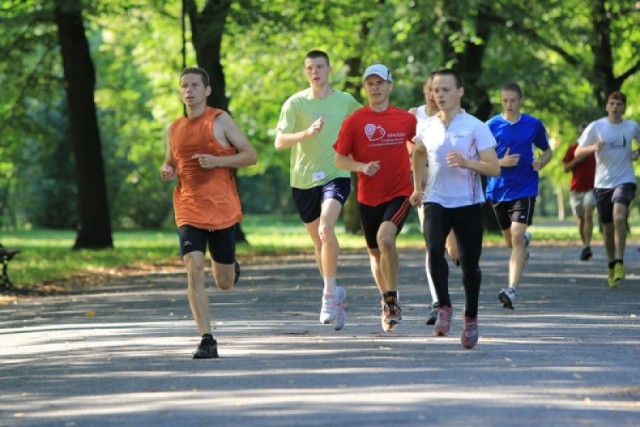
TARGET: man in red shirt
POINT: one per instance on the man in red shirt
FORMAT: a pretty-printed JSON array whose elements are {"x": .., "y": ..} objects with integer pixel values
[
  {"x": 583, "y": 172},
  {"x": 373, "y": 143}
]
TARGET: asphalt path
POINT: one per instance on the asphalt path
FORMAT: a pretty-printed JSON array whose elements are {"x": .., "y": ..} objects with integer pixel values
[{"x": 120, "y": 353}]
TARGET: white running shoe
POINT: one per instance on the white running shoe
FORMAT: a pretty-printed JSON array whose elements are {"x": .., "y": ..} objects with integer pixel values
[
  {"x": 332, "y": 308},
  {"x": 507, "y": 297},
  {"x": 328, "y": 310},
  {"x": 341, "y": 315}
]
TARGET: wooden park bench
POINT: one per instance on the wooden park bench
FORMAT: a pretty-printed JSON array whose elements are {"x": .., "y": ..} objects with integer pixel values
[{"x": 6, "y": 254}]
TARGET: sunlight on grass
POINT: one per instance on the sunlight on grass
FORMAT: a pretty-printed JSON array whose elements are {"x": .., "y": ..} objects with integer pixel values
[{"x": 47, "y": 255}]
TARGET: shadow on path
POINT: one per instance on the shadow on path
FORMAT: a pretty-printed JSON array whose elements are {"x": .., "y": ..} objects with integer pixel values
[{"x": 120, "y": 354}]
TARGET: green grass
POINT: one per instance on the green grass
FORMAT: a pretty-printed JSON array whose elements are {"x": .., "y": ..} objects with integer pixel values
[{"x": 47, "y": 257}]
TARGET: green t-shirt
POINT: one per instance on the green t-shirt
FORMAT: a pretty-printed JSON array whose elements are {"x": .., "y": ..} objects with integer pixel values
[{"x": 312, "y": 160}]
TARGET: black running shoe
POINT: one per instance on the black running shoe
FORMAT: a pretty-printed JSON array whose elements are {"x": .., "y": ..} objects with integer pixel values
[
  {"x": 237, "y": 270},
  {"x": 433, "y": 316},
  {"x": 586, "y": 254},
  {"x": 208, "y": 348}
]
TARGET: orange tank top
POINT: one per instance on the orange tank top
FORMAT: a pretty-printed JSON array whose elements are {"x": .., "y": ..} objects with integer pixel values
[{"x": 204, "y": 198}]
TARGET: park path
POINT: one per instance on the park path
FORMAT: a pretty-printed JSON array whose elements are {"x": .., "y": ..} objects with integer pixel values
[{"x": 119, "y": 354}]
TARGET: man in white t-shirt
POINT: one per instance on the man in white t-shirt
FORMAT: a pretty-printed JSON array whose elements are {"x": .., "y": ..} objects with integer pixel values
[
  {"x": 424, "y": 113},
  {"x": 458, "y": 148},
  {"x": 610, "y": 138}
]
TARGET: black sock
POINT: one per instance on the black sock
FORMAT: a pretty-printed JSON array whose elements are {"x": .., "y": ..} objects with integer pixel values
[
  {"x": 390, "y": 297},
  {"x": 617, "y": 261},
  {"x": 611, "y": 264},
  {"x": 207, "y": 337}
]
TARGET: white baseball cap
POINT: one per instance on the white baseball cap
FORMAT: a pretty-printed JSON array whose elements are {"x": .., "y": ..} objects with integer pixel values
[{"x": 378, "y": 70}]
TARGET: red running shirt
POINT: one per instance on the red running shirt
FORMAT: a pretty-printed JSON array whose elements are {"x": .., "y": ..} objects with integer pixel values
[
  {"x": 368, "y": 136},
  {"x": 583, "y": 174}
]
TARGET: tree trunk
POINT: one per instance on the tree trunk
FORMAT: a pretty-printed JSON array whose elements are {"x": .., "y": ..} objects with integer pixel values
[
  {"x": 350, "y": 213},
  {"x": 94, "y": 226},
  {"x": 207, "y": 29},
  {"x": 604, "y": 81},
  {"x": 468, "y": 63}
]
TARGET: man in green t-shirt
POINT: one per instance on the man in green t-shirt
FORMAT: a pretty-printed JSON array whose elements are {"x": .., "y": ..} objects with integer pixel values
[{"x": 309, "y": 124}]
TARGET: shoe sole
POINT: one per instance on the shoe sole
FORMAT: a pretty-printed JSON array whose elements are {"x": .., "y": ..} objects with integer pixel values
[
  {"x": 585, "y": 257},
  {"x": 390, "y": 325},
  {"x": 236, "y": 269},
  {"x": 441, "y": 332},
  {"x": 467, "y": 344},
  {"x": 506, "y": 302},
  {"x": 201, "y": 356},
  {"x": 341, "y": 316},
  {"x": 340, "y": 320},
  {"x": 327, "y": 320},
  {"x": 213, "y": 354},
  {"x": 613, "y": 283}
]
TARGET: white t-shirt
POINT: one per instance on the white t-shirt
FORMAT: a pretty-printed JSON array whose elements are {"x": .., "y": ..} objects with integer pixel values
[
  {"x": 449, "y": 186},
  {"x": 422, "y": 116},
  {"x": 614, "y": 165}
]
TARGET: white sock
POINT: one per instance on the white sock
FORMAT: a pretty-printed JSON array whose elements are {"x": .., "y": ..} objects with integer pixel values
[
  {"x": 432, "y": 287},
  {"x": 329, "y": 285}
]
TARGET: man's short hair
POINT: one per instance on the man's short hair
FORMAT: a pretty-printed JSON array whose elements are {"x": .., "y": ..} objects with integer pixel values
[
  {"x": 582, "y": 126},
  {"x": 512, "y": 87},
  {"x": 618, "y": 95},
  {"x": 199, "y": 71},
  {"x": 429, "y": 77},
  {"x": 452, "y": 73},
  {"x": 313, "y": 54}
]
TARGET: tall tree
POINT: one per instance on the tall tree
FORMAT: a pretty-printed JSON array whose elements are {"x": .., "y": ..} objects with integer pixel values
[
  {"x": 596, "y": 38},
  {"x": 94, "y": 226},
  {"x": 207, "y": 29}
]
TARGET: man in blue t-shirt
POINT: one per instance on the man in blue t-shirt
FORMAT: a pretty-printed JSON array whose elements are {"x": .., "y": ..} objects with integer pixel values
[{"x": 513, "y": 193}]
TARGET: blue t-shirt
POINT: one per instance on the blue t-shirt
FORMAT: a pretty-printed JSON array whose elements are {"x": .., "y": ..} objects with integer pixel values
[{"x": 521, "y": 138}]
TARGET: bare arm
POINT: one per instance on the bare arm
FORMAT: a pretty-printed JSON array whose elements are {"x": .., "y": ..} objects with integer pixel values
[
  {"x": 419, "y": 157},
  {"x": 569, "y": 166},
  {"x": 487, "y": 165},
  {"x": 583, "y": 151},
  {"x": 509, "y": 160},
  {"x": 228, "y": 132},
  {"x": 287, "y": 140},
  {"x": 169, "y": 169},
  {"x": 347, "y": 163},
  {"x": 543, "y": 160}
]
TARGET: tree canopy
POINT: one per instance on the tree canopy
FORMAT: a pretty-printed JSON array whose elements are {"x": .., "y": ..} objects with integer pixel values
[{"x": 567, "y": 55}]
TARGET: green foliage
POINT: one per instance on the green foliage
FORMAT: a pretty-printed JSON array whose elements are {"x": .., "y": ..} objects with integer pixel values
[
  {"x": 546, "y": 46},
  {"x": 47, "y": 257}
]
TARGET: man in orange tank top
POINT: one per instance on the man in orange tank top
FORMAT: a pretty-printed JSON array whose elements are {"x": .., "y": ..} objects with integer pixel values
[{"x": 203, "y": 148}]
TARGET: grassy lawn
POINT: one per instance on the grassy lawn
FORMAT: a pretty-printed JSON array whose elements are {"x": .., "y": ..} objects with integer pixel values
[{"x": 47, "y": 257}]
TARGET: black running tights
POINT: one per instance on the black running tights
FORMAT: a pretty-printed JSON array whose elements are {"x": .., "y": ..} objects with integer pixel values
[{"x": 466, "y": 222}]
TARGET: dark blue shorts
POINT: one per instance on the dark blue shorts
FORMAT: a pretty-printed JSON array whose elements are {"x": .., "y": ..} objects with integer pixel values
[
  {"x": 309, "y": 202},
  {"x": 222, "y": 243}
]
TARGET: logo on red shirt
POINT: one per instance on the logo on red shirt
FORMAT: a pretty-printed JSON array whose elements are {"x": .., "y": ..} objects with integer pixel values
[{"x": 374, "y": 132}]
